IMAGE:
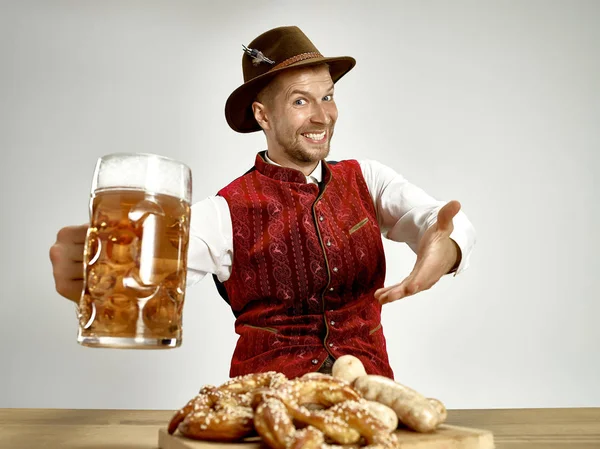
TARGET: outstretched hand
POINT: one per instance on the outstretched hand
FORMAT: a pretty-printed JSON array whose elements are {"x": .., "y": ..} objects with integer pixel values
[{"x": 437, "y": 255}]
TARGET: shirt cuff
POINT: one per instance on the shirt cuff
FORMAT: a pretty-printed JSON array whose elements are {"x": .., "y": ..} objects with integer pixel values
[{"x": 465, "y": 237}]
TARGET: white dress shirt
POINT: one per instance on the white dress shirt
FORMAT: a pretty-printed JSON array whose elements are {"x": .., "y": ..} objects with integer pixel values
[{"x": 404, "y": 212}]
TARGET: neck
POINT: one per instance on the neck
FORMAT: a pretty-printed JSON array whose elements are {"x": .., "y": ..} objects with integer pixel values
[{"x": 305, "y": 167}]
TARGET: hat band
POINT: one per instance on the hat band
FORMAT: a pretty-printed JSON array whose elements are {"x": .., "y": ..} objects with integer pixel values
[{"x": 297, "y": 58}]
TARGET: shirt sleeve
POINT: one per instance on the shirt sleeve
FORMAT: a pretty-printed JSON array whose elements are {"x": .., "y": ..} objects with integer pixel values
[
  {"x": 210, "y": 248},
  {"x": 405, "y": 211}
]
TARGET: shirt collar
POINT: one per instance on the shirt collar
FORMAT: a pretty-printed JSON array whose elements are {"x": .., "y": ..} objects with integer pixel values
[{"x": 314, "y": 177}]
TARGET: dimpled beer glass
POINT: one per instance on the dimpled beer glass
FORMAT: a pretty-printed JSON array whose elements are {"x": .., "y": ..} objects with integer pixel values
[{"x": 135, "y": 254}]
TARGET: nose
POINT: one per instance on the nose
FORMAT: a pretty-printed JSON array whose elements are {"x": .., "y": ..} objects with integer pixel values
[{"x": 321, "y": 114}]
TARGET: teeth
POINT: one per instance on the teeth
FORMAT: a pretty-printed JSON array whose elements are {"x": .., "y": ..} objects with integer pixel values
[{"x": 315, "y": 136}]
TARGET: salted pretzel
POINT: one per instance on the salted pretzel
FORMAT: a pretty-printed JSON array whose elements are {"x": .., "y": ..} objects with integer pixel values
[
  {"x": 223, "y": 413},
  {"x": 284, "y": 421}
]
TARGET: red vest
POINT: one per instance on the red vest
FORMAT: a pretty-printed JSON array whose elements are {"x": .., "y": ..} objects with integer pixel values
[{"x": 306, "y": 263}]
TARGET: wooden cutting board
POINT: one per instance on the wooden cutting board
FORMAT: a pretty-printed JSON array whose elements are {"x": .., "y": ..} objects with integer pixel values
[{"x": 445, "y": 437}]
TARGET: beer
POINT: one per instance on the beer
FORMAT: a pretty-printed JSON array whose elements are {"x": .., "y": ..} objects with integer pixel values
[{"x": 135, "y": 262}]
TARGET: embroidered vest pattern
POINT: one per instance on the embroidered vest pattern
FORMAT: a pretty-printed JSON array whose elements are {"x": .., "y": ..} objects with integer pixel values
[{"x": 306, "y": 263}]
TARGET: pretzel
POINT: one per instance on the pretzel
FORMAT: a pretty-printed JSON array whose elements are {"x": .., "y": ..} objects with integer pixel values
[
  {"x": 344, "y": 417},
  {"x": 223, "y": 413},
  {"x": 245, "y": 386},
  {"x": 383, "y": 413},
  {"x": 217, "y": 416},
  {"x": 310, "y": 393},
  {"x": 312, "y": 411}
]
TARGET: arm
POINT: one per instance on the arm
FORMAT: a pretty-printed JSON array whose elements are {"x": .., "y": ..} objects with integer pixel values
[
  {"x": 408, "y": 214},
  {"x": 211, "y": 241}
]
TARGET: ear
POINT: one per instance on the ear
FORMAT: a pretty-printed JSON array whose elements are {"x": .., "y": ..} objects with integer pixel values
[{"x": 260, "y": 114}]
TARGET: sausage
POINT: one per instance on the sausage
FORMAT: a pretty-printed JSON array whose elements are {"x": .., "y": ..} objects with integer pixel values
[
  {"x": 413, "y": 410},
  {"x": 348, "y": 368}
]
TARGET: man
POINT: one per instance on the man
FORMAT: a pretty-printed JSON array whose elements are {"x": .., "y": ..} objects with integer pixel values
[{"x": 294, "y": 245}]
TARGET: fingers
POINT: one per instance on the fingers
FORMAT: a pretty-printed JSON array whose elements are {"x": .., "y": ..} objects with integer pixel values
[
  {"x": 66, "y": 256},
  {"x": 70, "y": 289},
  {"x": 63, "y": 255},
  {"x": 68, "y": 273},
  {"x": 446, "y": 214},
  {"x": 74, "y": 252},
  {"x": 407, "y": 287},
  {"x": 72, "y": 234},
  {"x": 71, "y": 271},
  {"x": 423, "y": 276}
]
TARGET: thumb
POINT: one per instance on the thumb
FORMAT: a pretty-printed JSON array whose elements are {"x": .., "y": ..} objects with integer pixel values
[{"x": 446, "y": 214}]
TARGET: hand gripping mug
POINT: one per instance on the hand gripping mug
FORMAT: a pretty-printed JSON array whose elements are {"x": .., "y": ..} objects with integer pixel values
[{"x": 135, "y": 256}]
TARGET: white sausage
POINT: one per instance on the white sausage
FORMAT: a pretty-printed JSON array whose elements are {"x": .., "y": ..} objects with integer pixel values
[
  {"x": 412, "y": 409},
  {"x": 348, "y": 368}
]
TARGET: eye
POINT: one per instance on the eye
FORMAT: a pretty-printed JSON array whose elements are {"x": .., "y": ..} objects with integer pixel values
[
  {"x": 300, "y": 102},
  {"x": 328, "y": 97}
]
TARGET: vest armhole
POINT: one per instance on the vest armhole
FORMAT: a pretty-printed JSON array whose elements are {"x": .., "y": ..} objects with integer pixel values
[{"x": 221, "y": 289}]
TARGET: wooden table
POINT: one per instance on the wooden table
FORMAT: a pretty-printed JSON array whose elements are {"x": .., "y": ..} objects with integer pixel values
[{"x": 577, "y": 428}]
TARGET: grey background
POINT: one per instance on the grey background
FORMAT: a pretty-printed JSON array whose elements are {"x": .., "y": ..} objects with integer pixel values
[{"x": 496, "y": 104}]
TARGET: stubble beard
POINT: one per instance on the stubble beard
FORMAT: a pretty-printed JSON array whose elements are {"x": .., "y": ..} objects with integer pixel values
[{"x": 305, "y": 153}]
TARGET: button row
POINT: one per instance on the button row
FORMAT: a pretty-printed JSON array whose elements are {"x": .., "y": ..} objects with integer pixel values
[
  {"x": 331, "y": 323},
  {"x": 328, "y": 243}
]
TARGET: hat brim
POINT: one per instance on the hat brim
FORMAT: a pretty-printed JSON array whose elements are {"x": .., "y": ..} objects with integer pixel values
[{"x": 238, "y": 108}]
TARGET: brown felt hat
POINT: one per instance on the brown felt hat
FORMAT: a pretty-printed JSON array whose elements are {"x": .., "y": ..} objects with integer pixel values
[{"x": 271, "y": 53}]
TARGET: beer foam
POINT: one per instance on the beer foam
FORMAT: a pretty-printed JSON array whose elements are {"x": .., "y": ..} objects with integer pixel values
[{"x": 144, "y": 171}]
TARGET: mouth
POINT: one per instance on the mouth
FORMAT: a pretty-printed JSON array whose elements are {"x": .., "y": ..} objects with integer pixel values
[{"x": 316, "y": 138}]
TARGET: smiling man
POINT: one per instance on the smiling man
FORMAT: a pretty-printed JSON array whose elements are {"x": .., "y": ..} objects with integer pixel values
[
  {"x": 298, "y": 113},
  {"x": 294, "y": 245}
]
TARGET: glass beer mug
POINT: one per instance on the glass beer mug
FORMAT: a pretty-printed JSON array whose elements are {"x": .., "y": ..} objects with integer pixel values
[{"x": 135, "y": 256}]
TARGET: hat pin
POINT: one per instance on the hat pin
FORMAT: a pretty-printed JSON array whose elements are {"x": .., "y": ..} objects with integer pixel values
[{"x": 257, "y": 56}]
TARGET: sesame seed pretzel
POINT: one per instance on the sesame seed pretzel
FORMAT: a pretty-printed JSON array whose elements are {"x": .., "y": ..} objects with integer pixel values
[
  {"x": 284, "y": 421},
  {"x": 223, "y": 413},
  {"x": 314, "y": 411}
]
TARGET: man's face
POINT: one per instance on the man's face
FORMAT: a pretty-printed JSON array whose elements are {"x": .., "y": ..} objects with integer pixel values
[{"x": 301, "y": 114}]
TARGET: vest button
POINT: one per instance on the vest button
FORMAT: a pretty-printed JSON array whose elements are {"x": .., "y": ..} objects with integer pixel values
[
  {"x": 332, "y": 323},
  {"x": 335, "y": 269},
  {"x": 328, "y": 242},
  {"x": 314, "y": 361},
  {"x": 321, "y": 218},
  {"x": 330, "y": 289},
  {"x": 331, "y": 345}
]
